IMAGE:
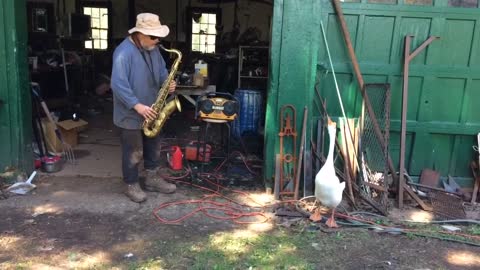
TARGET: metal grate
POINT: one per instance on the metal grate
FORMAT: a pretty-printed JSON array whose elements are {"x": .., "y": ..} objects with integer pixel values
[
  {"x": 446, "y": 206},
  {"x": 373, "y": 158}
]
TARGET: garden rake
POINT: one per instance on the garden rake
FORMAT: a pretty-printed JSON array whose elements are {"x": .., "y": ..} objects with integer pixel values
[{"x": 67, "y": 150}]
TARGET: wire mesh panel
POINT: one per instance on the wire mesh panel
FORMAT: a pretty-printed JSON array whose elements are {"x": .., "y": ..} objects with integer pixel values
[
  {"x": 373, "y": 158},
  {"x": 446, "y": 206}
]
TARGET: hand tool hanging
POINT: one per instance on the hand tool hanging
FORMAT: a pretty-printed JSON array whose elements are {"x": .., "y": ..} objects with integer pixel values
[{"x": 288, "y": 150}]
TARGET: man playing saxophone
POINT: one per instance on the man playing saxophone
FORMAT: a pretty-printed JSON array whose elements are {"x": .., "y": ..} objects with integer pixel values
[{"x": 138, "y": 72}]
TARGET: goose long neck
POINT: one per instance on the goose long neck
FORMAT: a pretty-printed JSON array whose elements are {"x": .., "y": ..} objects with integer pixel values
[{"x": 331, "y": 134}]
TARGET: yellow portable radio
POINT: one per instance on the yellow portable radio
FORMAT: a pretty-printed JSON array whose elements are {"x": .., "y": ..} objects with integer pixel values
[{"x": 217, "y": 107}]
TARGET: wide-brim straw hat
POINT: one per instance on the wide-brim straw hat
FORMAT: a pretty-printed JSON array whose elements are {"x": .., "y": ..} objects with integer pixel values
[{"x": 149, "y": 24}]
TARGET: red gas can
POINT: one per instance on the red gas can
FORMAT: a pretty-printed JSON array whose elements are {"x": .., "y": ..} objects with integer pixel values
[{"x": 176, "y": 158}]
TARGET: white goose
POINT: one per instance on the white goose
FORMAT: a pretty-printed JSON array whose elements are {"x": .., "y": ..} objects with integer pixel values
[{"x": 328, "y": 188}]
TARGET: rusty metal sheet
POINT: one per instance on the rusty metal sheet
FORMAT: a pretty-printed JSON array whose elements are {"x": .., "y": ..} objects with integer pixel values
[{"x": 429, "y": 178}]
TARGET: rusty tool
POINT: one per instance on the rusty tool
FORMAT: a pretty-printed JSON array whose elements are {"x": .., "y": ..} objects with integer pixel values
[{"x": 288, "y": 168}]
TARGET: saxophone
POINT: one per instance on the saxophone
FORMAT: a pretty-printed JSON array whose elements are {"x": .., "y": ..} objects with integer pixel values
[{"x": 151, "y": 128}]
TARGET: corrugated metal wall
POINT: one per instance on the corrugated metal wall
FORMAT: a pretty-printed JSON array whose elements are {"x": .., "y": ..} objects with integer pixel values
[
  {"x": 15, "y": 104},
  {"x": 444, "y": 78}
]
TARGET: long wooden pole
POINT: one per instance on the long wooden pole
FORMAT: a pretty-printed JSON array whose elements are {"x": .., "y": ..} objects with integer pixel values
[
  {"x": 302, "y": 146},
  {"x": 403, "y": 129},
  {"x": 351, "y": 52}
]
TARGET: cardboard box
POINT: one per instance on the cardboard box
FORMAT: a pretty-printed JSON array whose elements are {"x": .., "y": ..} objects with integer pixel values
[{"x": 68, "y": 132}]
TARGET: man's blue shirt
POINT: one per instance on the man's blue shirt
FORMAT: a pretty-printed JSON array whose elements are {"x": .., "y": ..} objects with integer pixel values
[{"x": 135, "y": 79}]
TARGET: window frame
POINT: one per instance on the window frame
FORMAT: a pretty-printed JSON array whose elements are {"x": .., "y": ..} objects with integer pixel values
[
  {"x": 189, "y": 18},
  {"x": 80, "y": 4}
]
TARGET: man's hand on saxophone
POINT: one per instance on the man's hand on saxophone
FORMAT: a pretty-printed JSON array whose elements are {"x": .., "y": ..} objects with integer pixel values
[
  {"x": 146, "y": 111},
  {"x": 172, "y": 86}
]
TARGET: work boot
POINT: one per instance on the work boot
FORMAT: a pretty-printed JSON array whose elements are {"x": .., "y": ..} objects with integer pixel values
[
  {"x": 135, "y": 193},
  {"x": 154, "y": 182}
]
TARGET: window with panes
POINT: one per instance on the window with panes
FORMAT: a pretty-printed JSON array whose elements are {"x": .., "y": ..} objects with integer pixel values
[
  {"x": 99, "y": 23},
  {"x": 204, "y": 33}
]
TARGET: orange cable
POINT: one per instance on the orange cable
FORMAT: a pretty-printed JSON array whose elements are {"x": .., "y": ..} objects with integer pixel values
[{"x": 230, "y": 212}]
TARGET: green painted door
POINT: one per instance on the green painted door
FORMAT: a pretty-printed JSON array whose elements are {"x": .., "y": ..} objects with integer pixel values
[
  {"x": 444, "y": 79},
  {"x": 15, "y": 104}
]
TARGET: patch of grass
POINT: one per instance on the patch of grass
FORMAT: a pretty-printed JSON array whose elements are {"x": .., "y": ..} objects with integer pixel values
[
  {"x": 274, "y": 250},
  {"x": 383, "y": 222},
  {"x": 416, "y": 225},
  {"x": 410, "y": 235},
  {"x": 146, "y": 265},
  {"x": 21, "y": 267},
  {"x": 339, "y": 236},
  {"x": 436, "y": 231},
  {"x": 72, "y": 256},
  {"x": 362, "y": 234},
  {"x": 16, "y": 266},
  {"x": 99, "y": 267},
  {"x": 475, "y": 230}
]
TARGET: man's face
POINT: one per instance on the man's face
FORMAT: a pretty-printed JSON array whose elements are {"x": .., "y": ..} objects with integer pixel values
[{"x": 150, "y": 42}]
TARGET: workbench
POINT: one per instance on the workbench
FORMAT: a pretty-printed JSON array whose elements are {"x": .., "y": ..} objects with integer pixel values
[{"x": 188, "y": 91}]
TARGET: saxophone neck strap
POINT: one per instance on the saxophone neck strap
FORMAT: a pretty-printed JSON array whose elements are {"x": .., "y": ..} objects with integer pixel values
[
  {"x": 134, "y": 38},
  {"x": 142, "y": 52}
]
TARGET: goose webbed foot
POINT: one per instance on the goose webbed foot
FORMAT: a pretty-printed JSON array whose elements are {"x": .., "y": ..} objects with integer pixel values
[
  {"x": 316, "y": 216},
  {"x": 331, "y": 221}
]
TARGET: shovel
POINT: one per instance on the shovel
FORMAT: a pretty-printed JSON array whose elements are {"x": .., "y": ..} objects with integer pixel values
[{"x": 23, "y": 188}]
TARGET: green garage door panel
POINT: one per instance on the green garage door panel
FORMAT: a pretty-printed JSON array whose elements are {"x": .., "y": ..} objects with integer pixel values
[
  {"x": 442, "y": 100},
  {"x": 413, "y": 97},
  {"x": 472, "y": 100},
  {"x": 457, "y": 40},
  {"x": 335, "y": 38},
  {"x": 444, "y": 83},
  {"x": 382, "y": 38},
  {"x": 15, "y": 105}
]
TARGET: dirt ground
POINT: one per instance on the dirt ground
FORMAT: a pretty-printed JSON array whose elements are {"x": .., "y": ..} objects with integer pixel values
[{"x": 86, "y": 223}]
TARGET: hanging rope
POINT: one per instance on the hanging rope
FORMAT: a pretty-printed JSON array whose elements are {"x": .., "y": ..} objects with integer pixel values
[{"x": 340, "y": 100}]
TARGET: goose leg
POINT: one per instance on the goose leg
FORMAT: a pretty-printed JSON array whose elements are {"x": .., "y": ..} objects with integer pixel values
[
  {"x": 331, "y": 221},
  {"x": 316, "y": 216}
]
